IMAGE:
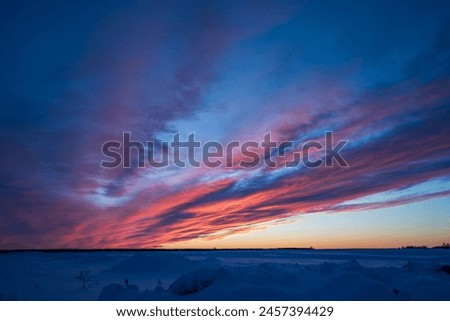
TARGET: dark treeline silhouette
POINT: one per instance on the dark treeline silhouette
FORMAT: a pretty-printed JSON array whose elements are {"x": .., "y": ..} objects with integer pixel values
[{"x": 442, "y": 246}]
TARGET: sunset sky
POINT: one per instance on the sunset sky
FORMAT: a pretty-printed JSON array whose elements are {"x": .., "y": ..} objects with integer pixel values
[{"x": 75, "y": 74}]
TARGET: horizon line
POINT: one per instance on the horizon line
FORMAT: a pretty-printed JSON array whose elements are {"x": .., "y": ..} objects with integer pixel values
[{"x": 213, "y": 249}]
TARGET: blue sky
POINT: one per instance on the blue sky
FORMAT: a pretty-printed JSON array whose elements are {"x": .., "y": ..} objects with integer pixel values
[{"x": 78, "y": 74}]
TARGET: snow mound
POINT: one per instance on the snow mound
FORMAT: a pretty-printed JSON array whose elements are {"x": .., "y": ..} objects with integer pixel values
[
  {"x": 327, "y": 281},
  {"x": 196, "y": 281},
  {"x": 114, "y": 292}
]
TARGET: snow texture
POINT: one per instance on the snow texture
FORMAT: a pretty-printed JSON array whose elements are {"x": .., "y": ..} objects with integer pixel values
[{"x": 227, "y": 275}]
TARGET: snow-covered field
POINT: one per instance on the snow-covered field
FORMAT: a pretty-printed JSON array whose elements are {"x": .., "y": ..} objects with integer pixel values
[{"x": 410, "y": 274}]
